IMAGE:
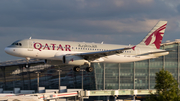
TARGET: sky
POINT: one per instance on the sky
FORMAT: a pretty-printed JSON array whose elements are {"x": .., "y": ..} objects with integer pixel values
[{"x": 111, "y": 21}]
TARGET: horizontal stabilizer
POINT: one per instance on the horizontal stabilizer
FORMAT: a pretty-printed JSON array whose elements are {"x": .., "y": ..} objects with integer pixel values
[{"x": 150, "y": 53}]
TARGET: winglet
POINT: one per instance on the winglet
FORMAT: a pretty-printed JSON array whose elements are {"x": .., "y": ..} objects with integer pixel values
[{"x": 155, "y": 36}]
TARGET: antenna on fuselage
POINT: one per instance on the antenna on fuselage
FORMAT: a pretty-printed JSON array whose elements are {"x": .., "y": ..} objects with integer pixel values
[{"x": 29, "y": 37}]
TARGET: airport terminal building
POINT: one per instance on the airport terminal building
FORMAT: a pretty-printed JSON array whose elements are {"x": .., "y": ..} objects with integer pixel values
[
  {"x": 137, "y": 75},
  {"x": 134, "y": 75}
]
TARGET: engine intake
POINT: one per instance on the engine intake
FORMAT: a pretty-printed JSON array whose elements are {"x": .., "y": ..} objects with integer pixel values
[{"x": 74, "y": 60}]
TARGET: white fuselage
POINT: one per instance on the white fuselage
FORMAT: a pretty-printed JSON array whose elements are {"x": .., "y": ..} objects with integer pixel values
[{"x": 52, "y": 50}]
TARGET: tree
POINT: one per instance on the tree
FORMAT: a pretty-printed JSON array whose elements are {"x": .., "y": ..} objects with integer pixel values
[{"x": 166, "y": 88}]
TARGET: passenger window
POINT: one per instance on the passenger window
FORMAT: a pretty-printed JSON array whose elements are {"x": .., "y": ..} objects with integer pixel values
[{"x": 20, "y": 44}]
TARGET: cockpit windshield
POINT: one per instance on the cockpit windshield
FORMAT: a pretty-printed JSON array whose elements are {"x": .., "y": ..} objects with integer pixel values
[{"x": 17, "y": 44}]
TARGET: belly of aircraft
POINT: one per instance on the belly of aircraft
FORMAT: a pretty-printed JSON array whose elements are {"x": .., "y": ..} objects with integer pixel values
[{"x": 123, "y": 58}]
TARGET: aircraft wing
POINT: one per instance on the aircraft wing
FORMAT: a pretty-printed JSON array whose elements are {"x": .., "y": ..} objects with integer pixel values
[{"x": 90, "y": 56}]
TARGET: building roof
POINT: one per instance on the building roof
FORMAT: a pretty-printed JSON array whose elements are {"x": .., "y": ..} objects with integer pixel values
[
  {"x": 20, "y": 62},
  {"x": 171, "y": 42}
]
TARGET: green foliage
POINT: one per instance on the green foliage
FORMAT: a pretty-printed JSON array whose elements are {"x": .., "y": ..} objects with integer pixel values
[{"x": 166, "y": 88}]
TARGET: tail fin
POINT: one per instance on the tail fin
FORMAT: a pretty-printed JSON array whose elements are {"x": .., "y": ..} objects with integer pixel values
[{"x": 155, "y": 36}]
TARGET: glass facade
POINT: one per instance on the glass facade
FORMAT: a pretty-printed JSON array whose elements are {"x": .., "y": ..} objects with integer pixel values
[
  {"x": 26, "y": 78},
  {"x": 137, "y": 75},
  {"x": 134, "y": 75}
]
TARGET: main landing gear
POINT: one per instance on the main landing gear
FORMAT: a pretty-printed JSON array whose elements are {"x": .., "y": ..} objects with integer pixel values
[
  {"x": 89, "y": 69},
  {"x": 77, "y": 69}
]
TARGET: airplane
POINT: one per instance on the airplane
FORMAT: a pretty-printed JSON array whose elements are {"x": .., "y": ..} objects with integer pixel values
[{"x": 83, "y": 54}]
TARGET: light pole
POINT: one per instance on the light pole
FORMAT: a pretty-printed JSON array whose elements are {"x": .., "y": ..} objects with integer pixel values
[
  {"x": 59, "y": 80},
  {"x": 82, "y": 84},
  {"x": 82, "y": 78},
  {"x": 38, "y": 81}
]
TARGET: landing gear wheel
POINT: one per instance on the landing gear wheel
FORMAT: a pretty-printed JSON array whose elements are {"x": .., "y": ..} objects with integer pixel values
[
  {"x": 89, "y": 69},
  {"x": 77, "y": 68}
]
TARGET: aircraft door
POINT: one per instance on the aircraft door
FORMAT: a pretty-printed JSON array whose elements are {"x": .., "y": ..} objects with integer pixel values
[
  {"x": 30, "y": 46},
  {"x": 138, "y": 51}
]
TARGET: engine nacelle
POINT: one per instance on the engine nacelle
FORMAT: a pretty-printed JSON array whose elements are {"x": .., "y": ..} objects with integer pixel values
[
  {"x": 59, "y": 55},
  {"x": 74, "y": 60}
]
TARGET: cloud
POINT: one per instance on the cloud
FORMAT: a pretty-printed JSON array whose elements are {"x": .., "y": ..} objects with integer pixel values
[
  {"x": 118, "y": 3},
  {"x": 178, "y": 8},
  {"x": 124, "y": 26},
  {"x": 112, "y": 21},
  {"x": 93, "y": 15},
  {"x": 172, "y": 4},
  {"x": 145, "y": 1}
]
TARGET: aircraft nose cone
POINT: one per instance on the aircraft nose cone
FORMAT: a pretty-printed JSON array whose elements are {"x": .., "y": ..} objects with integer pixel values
[
  {"x": 12, "y": 51},
  {"x": 7, "y": 50}
]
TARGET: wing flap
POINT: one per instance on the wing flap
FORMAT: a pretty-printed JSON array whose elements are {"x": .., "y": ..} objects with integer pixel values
[{"x": 90, "y": 56}]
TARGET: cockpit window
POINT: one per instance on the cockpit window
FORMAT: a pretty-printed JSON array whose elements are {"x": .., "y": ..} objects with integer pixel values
[
  {"x": 20, "y": 44},
  {"x": 13, "y": 43},
  {"x": 17, "y": 44}
]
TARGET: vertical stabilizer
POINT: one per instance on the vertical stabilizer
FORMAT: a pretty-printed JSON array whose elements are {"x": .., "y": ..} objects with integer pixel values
[{"x": 155, "y": 36}]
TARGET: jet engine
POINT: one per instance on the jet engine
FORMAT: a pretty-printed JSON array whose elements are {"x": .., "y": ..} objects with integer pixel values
[{"x": 74, "y": 60}]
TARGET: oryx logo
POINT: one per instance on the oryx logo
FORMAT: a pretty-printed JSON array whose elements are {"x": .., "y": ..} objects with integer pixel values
[
  {"x": 133, "y": 48},
  {"x": 156, "y": 37}
]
